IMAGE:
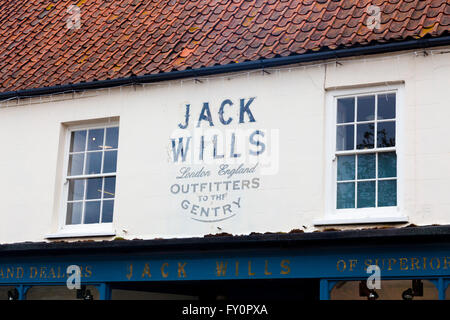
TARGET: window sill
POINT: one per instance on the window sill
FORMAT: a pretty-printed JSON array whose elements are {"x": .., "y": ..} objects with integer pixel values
[
  {"x": 71, "y": 233},
  {"x": 366, "y": 220}
]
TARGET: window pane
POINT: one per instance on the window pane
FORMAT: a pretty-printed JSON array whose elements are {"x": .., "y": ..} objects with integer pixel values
[
  {"x": 386, "y": 106},
  {"x": 76, "y": 162},
  {"x": 110, "y": 161},
  {"x": 346, "y": 195},
  {"x": 78, "y": 141},
  {"x": 92, "y": 212},
  {"x": 110, "y": 187},
  {"x": 74, "y": 211},
  {"x": 366, "y": 108},
  {"x": 386, "y": 134},
  {"x": 93, "y": 162},
  {"x": 387, "y": 193},
  {"x": 346, "y": 168},
  {"x": 364, "y": 138},
  {"x": 345, "y": 110},
  {"x": 344, "y": 138},
  {"x": 107, "y": 213},
  {"x": 112, "y": 138},
  {"x": 366, "y": 194},
  {"x": 95, "y": 140},
  {"x": 387, "y": 164},
  {"x": 94, "y": 188},
  {"x": 366, "y": 166},
  {"x": 76, "y": 189}
]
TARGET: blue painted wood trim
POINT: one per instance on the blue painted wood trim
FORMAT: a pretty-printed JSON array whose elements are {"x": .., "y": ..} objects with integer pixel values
[
  {"x": 104, "y": 290},
  {"x": 324, "y": 290},
  {"x": 23, "y": 291},
  {"x": 403, "y": 262},
  {"x": 441, "y": 289}
]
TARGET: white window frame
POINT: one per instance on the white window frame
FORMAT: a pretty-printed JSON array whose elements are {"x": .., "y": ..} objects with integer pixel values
[
  {"x": 82, "y": 230},
  {"x": 334, "y": 216}
]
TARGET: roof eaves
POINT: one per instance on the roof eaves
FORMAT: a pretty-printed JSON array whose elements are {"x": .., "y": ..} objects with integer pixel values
[{"x": 324, "y": 54}]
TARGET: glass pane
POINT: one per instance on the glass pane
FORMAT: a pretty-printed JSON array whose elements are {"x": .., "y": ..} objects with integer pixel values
[
  {"x": 386, "y": 106},
  {"x": 74, "y": 211},
  {"x": 92, "y": 212},
  {"x": 93, "y": 162},
  {"x": 76, "y": 162},
  {"x": 346, "y": 168},
  {"x": 366, "y": 166},
  {"x": 110, "y": 187},
  {"x": 112, "y": 138},
  {"x": 78, "y": 141},
  {"x": 366, "y": 194},
  {"x": 390, "y": 289},
  {"x": 386, "y": 134},
  {"x": 387, "y": 165},
  {"x": 345, "y": 195},
  {"x": 366, "y": 108},
  {"x": 95, "y": 140},
  {"x": 56, "y": 292},
  {"x": 344, "y": 138},
  {"x": 110, "y": 161},
  {"x": 364, "y": 138},
  {"x": 107, "y": 213},
  {"x": 387, "y": 193},
  {"x": 6, "y": 291},
  {"x": 76, "y": 189},
  {"x": 345, "y": 110},
  {"x": 94, "y": 188}
]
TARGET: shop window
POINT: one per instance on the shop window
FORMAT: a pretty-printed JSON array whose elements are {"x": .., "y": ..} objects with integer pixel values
[
  {"x": 61, "y": 293},
  {"x": 389, "y": 290},
  {"x": 8, "y": 293},
  {"x": 128, "y": 294},
  {"x": 447, "y": 292}
]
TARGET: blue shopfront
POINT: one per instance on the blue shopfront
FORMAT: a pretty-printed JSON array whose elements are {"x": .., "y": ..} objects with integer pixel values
[{"x": 321, "y": 259}]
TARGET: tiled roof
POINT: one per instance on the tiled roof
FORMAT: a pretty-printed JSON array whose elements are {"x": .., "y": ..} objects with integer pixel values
[{"x": 120, "y": 38}]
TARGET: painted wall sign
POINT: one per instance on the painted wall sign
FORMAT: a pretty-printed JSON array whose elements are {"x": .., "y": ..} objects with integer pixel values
[{"x": 217, "y": 151}]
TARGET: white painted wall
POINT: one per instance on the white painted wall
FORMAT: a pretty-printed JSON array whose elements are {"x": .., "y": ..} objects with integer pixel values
[{"x": 290, "y": 102}]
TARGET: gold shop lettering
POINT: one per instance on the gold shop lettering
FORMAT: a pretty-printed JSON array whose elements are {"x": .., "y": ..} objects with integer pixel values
[
  {"x": 223, "y": 266},
  {"x": 40, "y": 272},
  {"x": 397, "y": 263},
  {"x": 149, "y": 268}
]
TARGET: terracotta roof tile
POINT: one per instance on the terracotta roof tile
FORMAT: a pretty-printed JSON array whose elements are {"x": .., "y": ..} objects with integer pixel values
[{"x": 125, "y": 37}]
